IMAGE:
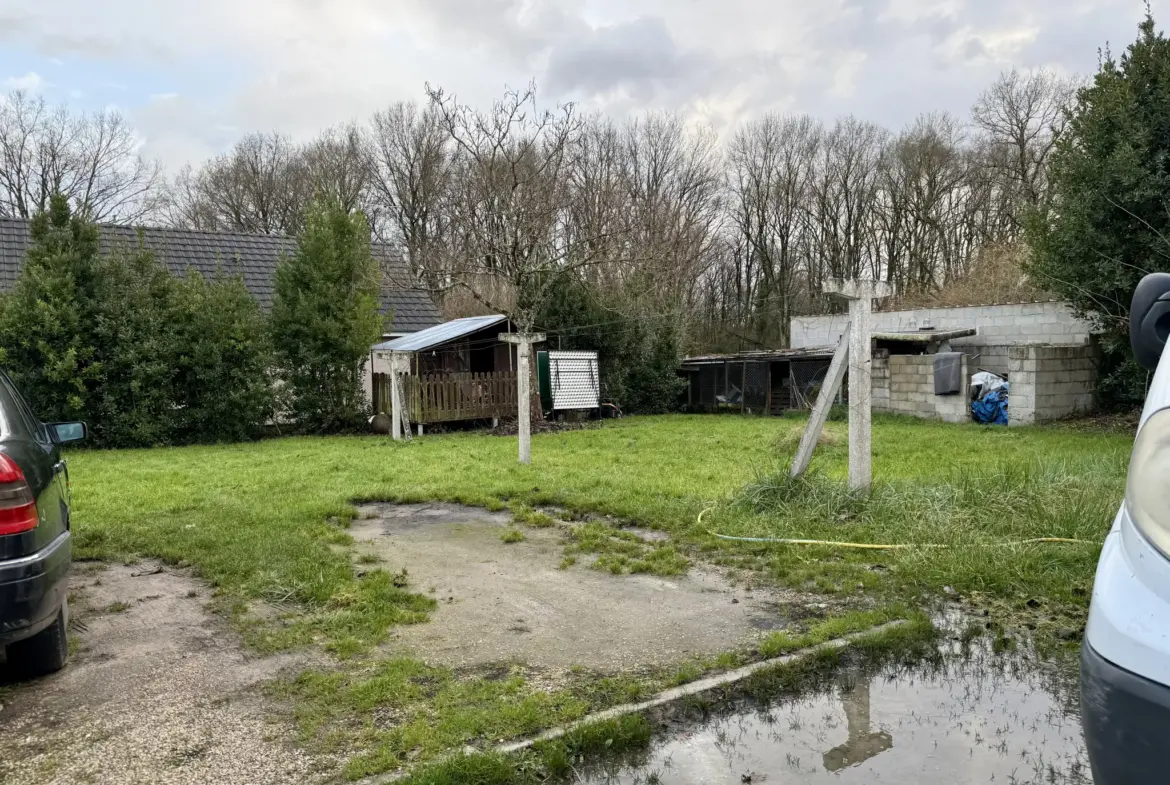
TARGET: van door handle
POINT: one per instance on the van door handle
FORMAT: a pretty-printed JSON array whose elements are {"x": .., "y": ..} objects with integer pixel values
[{"x": 58, "y": 467}]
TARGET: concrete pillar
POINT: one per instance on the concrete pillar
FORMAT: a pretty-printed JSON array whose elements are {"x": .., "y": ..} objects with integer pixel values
[
  {"x": 523, "y": 343},
  {"x": 395, "y": 399},
  {"x": 860, "y": 294}
]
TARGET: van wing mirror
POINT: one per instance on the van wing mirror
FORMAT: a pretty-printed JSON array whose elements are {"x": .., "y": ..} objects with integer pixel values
[
  {"x": 68, "y": 432},
  {"x": 1149, "y": 319}
]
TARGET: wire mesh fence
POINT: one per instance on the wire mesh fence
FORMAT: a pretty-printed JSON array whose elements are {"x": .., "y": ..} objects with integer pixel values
[{"x": 808, "y": 376}]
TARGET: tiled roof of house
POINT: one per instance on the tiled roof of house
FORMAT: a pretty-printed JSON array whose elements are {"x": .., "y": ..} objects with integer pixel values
[{"x": 253, "y": 256}]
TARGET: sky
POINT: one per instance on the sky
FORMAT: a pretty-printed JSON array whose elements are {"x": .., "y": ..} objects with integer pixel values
[{"x": 195, "y": 76}]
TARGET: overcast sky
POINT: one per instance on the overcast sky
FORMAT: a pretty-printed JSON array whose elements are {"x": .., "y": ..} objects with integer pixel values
[{"x": 194, "y": 76}]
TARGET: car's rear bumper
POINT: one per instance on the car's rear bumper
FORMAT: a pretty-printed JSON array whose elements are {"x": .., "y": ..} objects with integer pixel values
[
  {"x": 32, "y": 589},
  {"x": 1126, "y": 720}
]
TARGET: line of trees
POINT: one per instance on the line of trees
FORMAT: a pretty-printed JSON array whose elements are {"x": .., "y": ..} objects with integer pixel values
[
  {"x": 703, "y": 242},
  {"x": 655, "y": 213}
]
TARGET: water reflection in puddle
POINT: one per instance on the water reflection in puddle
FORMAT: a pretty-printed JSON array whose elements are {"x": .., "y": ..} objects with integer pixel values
[{"x": 975, "y": 719}]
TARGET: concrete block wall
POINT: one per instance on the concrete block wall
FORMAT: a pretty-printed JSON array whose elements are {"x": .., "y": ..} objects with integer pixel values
[
  {"x": 996, "y": 359},
  {"x": 1050, "y": 382},
  {"x": 881, "y": 384},
  {"x": 1018, "y": 323},
  {"x": 905, "y": 385}
]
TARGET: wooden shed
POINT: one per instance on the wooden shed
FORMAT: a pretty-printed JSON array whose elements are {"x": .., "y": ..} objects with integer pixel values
[{"x": 458, "y": 370}]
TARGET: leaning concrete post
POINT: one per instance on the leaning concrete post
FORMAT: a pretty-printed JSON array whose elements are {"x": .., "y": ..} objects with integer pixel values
[
  {"x": 820, "y": 412},
  {"x": 523, "y": 343},
  {"x": 860, "y": 294}
]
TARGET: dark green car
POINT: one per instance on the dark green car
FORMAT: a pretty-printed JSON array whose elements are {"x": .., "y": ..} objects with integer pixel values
[{"x": 34, "y": 536}]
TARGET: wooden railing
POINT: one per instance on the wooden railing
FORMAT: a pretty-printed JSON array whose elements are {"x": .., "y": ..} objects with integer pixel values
[{"x": 445, "y": 397}]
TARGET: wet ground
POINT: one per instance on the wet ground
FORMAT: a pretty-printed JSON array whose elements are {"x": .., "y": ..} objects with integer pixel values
[
  {"x": 974, "y": 718},
  {"x": 515, "y": 602}
]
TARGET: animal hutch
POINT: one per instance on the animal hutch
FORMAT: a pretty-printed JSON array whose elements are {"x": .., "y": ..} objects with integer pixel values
[
  {"x": 758, "y": 382},
  {"x": 458, "y": 370}
]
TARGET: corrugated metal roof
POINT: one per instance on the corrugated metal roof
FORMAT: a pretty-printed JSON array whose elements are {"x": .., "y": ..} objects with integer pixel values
[
  {"x": 440, "y": 334},
  {"x": 767, "y": 355}
]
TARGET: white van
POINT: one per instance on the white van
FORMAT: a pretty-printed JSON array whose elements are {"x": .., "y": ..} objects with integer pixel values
[{"x": 1125, "y": 659}]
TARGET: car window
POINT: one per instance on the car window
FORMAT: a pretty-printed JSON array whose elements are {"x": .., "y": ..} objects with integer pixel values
[{"x": 32, "y": 423}]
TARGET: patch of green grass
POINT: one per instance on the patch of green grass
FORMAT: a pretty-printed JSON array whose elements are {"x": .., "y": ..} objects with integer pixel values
[
  {"x": 622, "y": 552},
  {"x": 254, "y": 519},
  {"x": 567, "y": 562},
  {"x": 779, "y": 643},
  {"x": 400, "y": 710},
  {"x": 117, "y": 607},
  {"x": 512, "y": 536},
  {"x": 368, "y": 558},
  {"x": 523, "y": 515}
]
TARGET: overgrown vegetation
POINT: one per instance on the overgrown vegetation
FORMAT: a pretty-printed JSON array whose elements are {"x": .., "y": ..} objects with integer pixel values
[
  {"x": 637, "y": 356},
  {"x": 114, "y": 339},
  {"x": 1110, "y": 186}
]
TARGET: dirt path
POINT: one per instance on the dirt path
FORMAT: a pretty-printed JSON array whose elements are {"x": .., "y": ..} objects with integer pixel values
[
  {"x": 510, "y": 602},
  {"x": 158, "y": 691}
]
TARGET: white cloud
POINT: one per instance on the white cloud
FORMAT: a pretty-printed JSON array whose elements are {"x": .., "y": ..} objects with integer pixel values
[
  {"x": 32, "y": 81},
  {"x": 301, "y": 65}
]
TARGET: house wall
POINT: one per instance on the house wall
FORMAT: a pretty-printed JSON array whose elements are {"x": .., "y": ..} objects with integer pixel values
[
  {"x": 1050, "y": 382},
  {"x": 1018, "y": 323},
  {"x": 904, "y": 384}
]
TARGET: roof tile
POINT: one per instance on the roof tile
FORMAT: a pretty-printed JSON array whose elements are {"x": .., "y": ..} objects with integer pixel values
[{"x": 252, "y": 256}]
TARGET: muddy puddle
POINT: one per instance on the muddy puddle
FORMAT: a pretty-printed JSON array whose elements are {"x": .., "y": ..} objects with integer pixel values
[{"x": 970, "y": 717}]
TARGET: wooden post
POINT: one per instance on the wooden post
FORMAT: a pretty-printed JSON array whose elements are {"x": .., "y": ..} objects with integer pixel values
[
  {"x": 820, "y": 412},
  {"x": 860, "y": 294},
  {"x": 523, "y": 343}
]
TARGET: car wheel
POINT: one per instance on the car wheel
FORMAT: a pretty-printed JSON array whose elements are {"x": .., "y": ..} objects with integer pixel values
[{"x": 43, "y": 653}]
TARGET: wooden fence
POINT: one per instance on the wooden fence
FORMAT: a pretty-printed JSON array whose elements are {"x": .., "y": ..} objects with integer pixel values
[{"x": 445, "y": 397}]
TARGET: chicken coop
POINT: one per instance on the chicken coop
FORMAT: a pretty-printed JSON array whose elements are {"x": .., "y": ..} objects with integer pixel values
[{"x": 758, "y": 382}]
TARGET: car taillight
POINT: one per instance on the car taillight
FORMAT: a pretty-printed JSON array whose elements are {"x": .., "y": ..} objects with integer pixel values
[{"x": 18, "y": 508}]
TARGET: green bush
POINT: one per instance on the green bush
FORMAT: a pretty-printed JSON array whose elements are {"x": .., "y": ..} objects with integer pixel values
[
  {"x": 47, "y": 323},
  {"x": 143, "y": 357},
  {"x": 223, "y": 385},
  {"x": 638, "y": 358},
  {"x": 325, "y": 319},
  {"x": 133, "y": 341},
  {"x": 1111, "y": 213}
]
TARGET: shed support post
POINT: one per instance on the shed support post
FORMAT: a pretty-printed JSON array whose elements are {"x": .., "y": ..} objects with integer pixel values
[
  {"x": 523, "y": 343},
  {"x": 397, "y": 405},
  {"x": 860, "y": 294}
]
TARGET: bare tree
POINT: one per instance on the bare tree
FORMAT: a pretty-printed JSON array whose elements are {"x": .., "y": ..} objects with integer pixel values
[
  {"x": 1023, "y": 115},
  {"x": 93, "y": 160},
  {"x": 770, "y": 170},
  {"x": 509, "y": 206},
  {"x": 335, "y": 166},
  {"x": 254, "y": 188},
  {"x": 264, "y": 183},
  {"x": 410, "y": 159}
]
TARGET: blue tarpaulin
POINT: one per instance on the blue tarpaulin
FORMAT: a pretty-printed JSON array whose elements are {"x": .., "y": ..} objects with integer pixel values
[{"x": 992, "y": 408}]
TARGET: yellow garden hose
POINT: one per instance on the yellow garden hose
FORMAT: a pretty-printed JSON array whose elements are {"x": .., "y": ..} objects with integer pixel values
[{"x": 887, "y": 547}]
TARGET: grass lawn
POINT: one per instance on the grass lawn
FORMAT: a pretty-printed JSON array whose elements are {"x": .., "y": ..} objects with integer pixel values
[
  {"x": 267, "y": 521},
  {"x": 258, "y": 520}
]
